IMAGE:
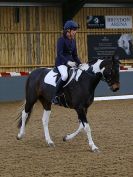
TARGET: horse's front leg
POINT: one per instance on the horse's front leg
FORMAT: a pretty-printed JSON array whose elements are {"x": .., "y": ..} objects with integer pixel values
[
  {"x": 45, "y": 121},
  {"x": 72, "y": 135},
  {"x": 82, "y": 116}
]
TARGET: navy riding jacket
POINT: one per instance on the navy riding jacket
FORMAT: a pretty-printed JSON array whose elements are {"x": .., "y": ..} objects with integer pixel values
[{"x": 66, "y": 51}]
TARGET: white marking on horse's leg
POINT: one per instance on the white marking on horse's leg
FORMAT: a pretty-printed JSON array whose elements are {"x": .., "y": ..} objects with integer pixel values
[
  {"x": 22, "y": 128},
  {"x": 45, "y": 121},
  {"x": 88, "y": 132},
  {"x": 71, "y": 136}
]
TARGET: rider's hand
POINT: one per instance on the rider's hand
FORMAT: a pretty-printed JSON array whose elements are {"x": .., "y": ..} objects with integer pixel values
[{"x": 72, "y": 64}]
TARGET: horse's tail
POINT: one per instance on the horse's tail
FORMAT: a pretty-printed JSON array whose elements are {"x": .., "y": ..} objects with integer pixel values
[{"x": 19, "y": 115}]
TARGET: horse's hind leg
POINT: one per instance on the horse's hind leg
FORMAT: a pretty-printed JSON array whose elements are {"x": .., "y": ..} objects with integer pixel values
[
  {"x": 22, "y": 128},
  {"x": 45, "y": 121},
  {"x": 25, "y": 116}
]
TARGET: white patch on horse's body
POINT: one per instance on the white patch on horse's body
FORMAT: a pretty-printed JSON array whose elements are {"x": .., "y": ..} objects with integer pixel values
[
  {"x": 85, "y": 67},
  {"x": 96, "y": 66}
]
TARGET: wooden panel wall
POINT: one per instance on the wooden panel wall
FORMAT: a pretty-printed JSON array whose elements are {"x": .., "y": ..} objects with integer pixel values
[
  {"x": 81, "y": 18},
  {"x": 29, "y": 41}
]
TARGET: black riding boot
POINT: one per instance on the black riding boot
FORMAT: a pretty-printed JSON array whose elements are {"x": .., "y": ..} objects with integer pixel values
[{"x": 59, "y": 86}]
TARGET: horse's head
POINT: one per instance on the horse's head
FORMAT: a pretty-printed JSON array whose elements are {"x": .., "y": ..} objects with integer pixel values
[{"x": 110, "y": 73}]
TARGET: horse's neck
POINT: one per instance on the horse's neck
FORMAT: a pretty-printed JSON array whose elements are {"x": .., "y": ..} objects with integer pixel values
[
  {"x": 90, "y": 80},
  {"x": 96, "y": 67},
  {"x": 96, "y": 80}
]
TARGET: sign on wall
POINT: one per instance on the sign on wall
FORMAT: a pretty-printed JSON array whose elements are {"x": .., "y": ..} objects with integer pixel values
[
  {"x": 95, "y": 22},
  {"x": 105, "y": 46},
  {"x": 109, "y": 22},
  {"x": 118, "y": 22}
]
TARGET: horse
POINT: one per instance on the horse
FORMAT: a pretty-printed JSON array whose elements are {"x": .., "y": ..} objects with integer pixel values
[{"x": 77, "y": 94}]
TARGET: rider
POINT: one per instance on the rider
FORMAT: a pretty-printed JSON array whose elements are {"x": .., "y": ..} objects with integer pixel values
[{"x": 66, "y": 54}]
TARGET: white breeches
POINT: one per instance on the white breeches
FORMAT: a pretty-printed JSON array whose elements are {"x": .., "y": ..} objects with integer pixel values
[{"x": 63, "y": 71}]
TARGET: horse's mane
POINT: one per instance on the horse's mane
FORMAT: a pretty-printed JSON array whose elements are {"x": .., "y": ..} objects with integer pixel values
[{"x": 92, "y": 61}]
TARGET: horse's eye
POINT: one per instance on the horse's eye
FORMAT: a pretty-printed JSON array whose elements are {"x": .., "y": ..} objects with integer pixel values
[{"x": 110, "y": 72}]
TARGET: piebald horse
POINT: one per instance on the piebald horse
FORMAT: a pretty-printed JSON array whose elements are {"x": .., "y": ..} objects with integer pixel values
[{"x": 77, "y": 94}]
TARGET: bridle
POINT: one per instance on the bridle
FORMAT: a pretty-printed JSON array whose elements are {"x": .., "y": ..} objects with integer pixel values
[{"x": 108, "y": 79}]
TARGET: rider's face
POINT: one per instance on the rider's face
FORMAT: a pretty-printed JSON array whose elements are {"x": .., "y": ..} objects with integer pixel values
[{"x": 73, "y": 33}]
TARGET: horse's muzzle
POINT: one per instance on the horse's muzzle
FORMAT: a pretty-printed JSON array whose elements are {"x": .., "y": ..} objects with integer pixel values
[{"x": 115, "y": 87}]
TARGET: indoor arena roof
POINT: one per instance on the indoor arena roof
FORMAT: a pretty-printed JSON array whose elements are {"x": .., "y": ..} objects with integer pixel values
[
  {"x": 70, "y": 7},
  {"x": 71, "y": 1}
]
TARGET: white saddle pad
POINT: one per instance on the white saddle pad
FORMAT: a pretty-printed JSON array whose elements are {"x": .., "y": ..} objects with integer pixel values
[{"x": 50, "y": 78}]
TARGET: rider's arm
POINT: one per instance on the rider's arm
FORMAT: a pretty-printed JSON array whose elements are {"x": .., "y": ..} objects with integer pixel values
[{"x": 60, "y": 52}]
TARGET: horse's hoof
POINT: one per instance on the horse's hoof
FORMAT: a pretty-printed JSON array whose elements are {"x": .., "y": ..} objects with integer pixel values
[
  {"x": 65, "y": 138},
  {"x": 51, "y": 144},
  {"x": 18, "y": 137},
  {"x": 96, "y": 150}
]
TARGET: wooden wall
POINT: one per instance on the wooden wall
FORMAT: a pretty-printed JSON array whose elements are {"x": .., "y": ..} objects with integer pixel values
[
  {"x": 28, "y": 38},
  {"x": 28, "y": 35}
]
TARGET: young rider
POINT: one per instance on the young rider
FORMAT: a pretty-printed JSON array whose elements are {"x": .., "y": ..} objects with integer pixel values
[{"x": 66, "y": 54}]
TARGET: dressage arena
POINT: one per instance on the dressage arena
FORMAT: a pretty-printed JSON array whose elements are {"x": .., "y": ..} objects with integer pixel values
[{"x": 112, "y": 130}]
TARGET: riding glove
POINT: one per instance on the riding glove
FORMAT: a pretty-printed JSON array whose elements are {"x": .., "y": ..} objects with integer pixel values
[{"x": 72, "y": 64}]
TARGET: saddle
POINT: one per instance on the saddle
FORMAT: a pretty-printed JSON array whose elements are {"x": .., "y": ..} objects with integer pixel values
[
  {"x": 53, "y": 76},
  {"x": 58, "y": 76}
]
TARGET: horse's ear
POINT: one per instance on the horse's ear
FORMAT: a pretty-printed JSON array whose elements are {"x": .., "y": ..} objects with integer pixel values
[
  {"x": 116, "y": 57},
  {"x": 104, "y": 63},
  {"x": 92, "y": 61}
]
